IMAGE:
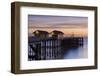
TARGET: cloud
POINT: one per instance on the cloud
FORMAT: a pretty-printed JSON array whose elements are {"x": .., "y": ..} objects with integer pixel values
[{"x": 35, "y": 21}]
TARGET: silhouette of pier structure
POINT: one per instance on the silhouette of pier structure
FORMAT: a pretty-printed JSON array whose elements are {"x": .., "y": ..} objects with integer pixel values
[{"x": 49, "y": 46}]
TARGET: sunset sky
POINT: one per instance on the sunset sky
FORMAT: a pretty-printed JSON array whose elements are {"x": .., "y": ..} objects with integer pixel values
[{"x": 69, "y": 25}]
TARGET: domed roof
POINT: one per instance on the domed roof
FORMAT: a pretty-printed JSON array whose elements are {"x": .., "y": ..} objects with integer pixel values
[
  {"x": 56, "y": 32},
  {"x": 40, "y": 32}
]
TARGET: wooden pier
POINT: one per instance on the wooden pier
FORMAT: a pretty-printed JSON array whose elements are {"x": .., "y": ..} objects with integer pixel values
[
  {"x": 47, "y": 46},
  {"x": 51, "y": 48}
]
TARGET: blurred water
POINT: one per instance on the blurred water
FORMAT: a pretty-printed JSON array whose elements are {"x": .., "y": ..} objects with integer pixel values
[{"x": 76, "y": 53}]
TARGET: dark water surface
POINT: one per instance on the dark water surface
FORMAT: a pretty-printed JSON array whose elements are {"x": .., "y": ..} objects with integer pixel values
[{"x": 77, "y": 53}]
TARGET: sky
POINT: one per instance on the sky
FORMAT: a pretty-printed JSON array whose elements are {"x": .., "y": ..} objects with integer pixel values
[{"x": 69, "y": 25}]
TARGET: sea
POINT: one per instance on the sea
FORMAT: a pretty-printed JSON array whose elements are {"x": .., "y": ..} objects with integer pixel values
[{"x": 77, "y": 53}]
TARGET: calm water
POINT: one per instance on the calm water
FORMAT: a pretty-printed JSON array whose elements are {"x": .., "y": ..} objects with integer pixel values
[
  {"x": 70, "y": 53},
  {"x": 76, "y": 53}
]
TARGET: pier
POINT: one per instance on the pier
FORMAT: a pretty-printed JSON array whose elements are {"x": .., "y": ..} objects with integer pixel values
[{"x": 45, "y": 46}]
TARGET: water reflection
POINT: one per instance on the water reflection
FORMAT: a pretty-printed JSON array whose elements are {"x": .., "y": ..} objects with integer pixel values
[{"x": 79, "y": 52}]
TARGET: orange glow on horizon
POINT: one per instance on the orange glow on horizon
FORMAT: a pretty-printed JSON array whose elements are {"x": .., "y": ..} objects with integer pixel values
[{"x": 67, "y": 31}]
